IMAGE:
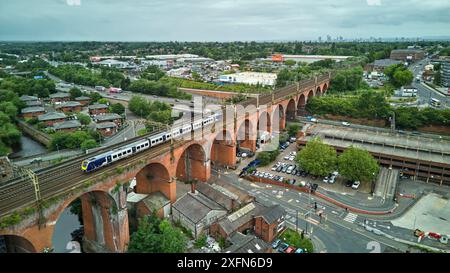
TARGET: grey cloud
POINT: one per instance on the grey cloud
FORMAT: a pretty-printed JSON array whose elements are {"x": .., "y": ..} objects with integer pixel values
[{"x": 218, "y": 19}]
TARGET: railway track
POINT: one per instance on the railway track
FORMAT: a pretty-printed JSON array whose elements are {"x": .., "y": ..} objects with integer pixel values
[{"x": 66, "y": 176}]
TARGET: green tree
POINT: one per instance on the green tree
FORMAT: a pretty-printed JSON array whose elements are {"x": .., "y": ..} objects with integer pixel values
[
  {"x": 173, "y": 240},
  {"x": 75, "y": 92},
  {"x": 289, "y": 62},
  {"x": 139, "y": 106},
  {"x": 9, "y": 109},
  {"x": 403, "y": 78},
  {"x": 88, "y": 144},
  {"x": 196, "y": 77},
  {"x": 117, "y": 108},
  {"x": 84, "y": 119},
  {"x": 293, "y": 129},
  {"x": 147, "y": 238},
  {"x": 317, "y": 158},
  {"x": 357, "y": 164},
  {"x": 103, "y": 101}
]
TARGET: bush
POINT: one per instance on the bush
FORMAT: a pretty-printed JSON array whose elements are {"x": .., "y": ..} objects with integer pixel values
[
  {"x": 200, "y": 242},
  {"x": 293, "y": 238},
  {"x": 267, "y": 157}
]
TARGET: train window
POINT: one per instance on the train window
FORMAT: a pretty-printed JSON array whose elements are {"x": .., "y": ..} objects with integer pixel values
[{"x": 114, "y": 156}]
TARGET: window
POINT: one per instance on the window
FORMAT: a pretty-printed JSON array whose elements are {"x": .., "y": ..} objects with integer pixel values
[{"x": 114, "y": 156}]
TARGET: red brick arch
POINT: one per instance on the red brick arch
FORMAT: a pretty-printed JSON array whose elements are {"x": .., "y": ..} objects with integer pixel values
[
  {"x": 264, "y": 122},
  {"x": 18, "y": 244},
  {"x": 246, "y": 135},
  {"x": 278, "y": 117},
  {"x": 191, "y": 165},
  {"x": 291, "y": 110},
  {"x": 152, "y": 178},
  {"x": 223, "y": 149}
]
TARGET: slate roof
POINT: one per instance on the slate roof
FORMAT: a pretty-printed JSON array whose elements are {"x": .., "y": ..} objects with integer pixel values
[
  {"x": 246, "y": 244},
  {"x": 32, "y": 109},
  {"x": 51, "y": 116},
  {"x": 216, "y": 195},
  {"x": 97, "y": 106},
  {"x": 28, "y": 98},
  {"x": 33, "y": 103},
  {"x": 82, "y": 98},
  {"x": 105, "y": 125},
  {"x": 69, "y": 104},
  {"x": 235, "y": 220},
  {"x": 272, "y": 214},
  {"x": 195, "y": 207},
  {"x": 68, "y": 124},
  {"x": 59, "y": 95},
  {"x": 155, "y": 201},
  {"x": 385, "y": 62},
  {"x": 109, "y": 116}
]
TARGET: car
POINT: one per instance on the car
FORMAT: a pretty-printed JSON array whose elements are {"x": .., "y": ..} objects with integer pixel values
[
  {"x": 348, "y": 183},
  {"x": 299, "y": 250},
  {"x": 355, "y": 185},
  {"x": 313, "y": 120},
  {"x": 292, "y": 181},
  {"x": 302, "y": 183},
  {"x": 345, "y": 123},
  {"x": 335, "y": 173},
  {"x": 266, "y": 175},
  {"x": 292, "y": 157},
  {"x": 281, "y": 179},
  {"x": 286, "y": 157},
  {"x": 332, "y": 179},
  {"x": 282, "y": 248},
  {"x": 177, "y": 100},
  {"x": 284, "y": 169},
  {"x": 326, "y": 179},
  {"x": 276, "y": 243},
  {"x": 279, "y": 168},
  {"x": 244, "y": 155},
  {"x": 290, "y": 249},
  {"x": 292, "y": 139},
  {"x": 314, "y": 187}
]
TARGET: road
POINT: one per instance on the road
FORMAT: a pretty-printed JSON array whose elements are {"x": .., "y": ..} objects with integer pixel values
[
  {"x": 341, "y": 232},
  {"x": 424, "y": 92}
]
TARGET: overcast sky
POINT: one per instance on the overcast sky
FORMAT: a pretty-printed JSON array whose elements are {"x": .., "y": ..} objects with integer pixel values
[{"x": 220, "y": 20}]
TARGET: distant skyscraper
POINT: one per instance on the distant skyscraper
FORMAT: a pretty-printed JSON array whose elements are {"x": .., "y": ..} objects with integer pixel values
[
  {"x": 320, "y": 39},
  {"x": 328, "y": 38}
]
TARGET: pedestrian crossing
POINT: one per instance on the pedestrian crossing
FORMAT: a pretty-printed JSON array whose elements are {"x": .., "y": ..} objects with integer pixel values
[{"x": 350, "y": 217}]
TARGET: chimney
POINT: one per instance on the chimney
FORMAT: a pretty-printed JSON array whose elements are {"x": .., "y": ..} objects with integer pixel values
[{"x": 193, "y": 184}]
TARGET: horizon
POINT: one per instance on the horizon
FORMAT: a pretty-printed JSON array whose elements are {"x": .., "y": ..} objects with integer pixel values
[{"x": 220, "y": 21}]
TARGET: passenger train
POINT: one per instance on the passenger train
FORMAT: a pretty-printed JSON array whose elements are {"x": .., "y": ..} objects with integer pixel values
[{"x": 128, "y": 150}]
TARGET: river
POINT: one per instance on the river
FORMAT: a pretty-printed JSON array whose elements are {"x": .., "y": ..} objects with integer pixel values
[
  {"x": 29, "y": 147},
  {"x": 67, "y": 223}
]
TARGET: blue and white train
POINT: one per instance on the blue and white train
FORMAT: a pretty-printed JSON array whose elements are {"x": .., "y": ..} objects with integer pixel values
[{"x": 131, "y": 149}]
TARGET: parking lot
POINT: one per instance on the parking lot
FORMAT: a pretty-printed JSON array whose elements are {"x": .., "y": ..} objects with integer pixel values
[{"x": 285, "y": 169}]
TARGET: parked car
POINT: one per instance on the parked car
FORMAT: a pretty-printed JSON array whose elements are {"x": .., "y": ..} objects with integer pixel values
[
  {"x": 282, "y": 248},
  {"x": 274, "y": 167},
  {"x": 326, "y": 179},
  {"x": 286, "y": 157},
  {"x": 276, "y": 243},
  {"x": 292, "y": 139},
  {"x": 299, "y": 250},
  {"x": 348, "y": 183},
  {"x": 290, "y": 249},
  {"x": 279, "y": 168},
  {"x": 345, "y": 123},
  {"x": 355, "y": 185},
  {"x": 284, "y": 169}
]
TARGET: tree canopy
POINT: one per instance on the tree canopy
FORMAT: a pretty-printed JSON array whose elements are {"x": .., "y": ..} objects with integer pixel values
[
  {"x": 317, "y": 158},
  {"x": 357, "y": 164}
]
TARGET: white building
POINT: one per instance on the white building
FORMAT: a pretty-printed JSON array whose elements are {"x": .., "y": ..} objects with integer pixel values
[
  {"x": 407, "y": 91},
  {"x": 114, "y": 63},
  {"x": 252, "y": 78}
]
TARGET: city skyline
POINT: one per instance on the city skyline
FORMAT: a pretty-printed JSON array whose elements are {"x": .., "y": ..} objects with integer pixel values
[{"x": 225, "y": 20}]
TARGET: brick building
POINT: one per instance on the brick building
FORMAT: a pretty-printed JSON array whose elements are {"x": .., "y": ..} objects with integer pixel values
[
  {"x": 69, "y": 106},
  {"x": 270, "y": 222},
  {"x": 59, "y": 97},
  {"x": 49, "y": 119},
  {"x": 97, "y": 109},
  {"x": 106, "y": 128},
  {"x": 67, "y": 126},
  {"x": 32, "y": 112},
  {"x": 407, "y": 55},
  {"x": 196, "y": 212},
  {"x": 109, "y": 117},
  {"x": 83, "y": 100}
]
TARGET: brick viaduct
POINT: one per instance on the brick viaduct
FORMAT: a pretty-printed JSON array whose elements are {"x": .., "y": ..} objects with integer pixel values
[{"x": 104, "y": 209}]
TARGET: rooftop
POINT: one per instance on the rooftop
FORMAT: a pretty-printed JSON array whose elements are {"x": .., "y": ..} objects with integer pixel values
[
  {"x": 33, "y": 103},
  {"x": 233, "y": 221},
  {"x": 108, "y": 116},
  {"x": 68, "y": 124},
  {"x": 216, "y": 195},
  {"x": 51, "y": 116},
  {"x": 59, "y": 95},
  {"x": 82, "y": 98},
  {"x": 33, "y": 109},
  {"x": 105, "y": 125},
  {"x": 69, "y": 104},
  {"x": 98, "y": 106},
  {"x": 246, "y": 244},
  {"x": 386, "y": 62},
  {"x": 272, "y": 214},
  {"x": 196, "y": 206},
  {"x": 155, "y": 201},
  {"x": 28, "y": 98}
]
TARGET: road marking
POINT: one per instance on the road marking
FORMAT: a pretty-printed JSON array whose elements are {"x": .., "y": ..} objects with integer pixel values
[
  {"x": 290, "y": 200},
  {"x": 312, "y": 221},
  {"x": 350, "y": 217},
  {"x": 298, "y": 201}
]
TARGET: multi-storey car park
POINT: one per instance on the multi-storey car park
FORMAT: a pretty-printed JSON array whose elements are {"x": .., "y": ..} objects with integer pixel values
[{"x": 419, "y": 157}]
